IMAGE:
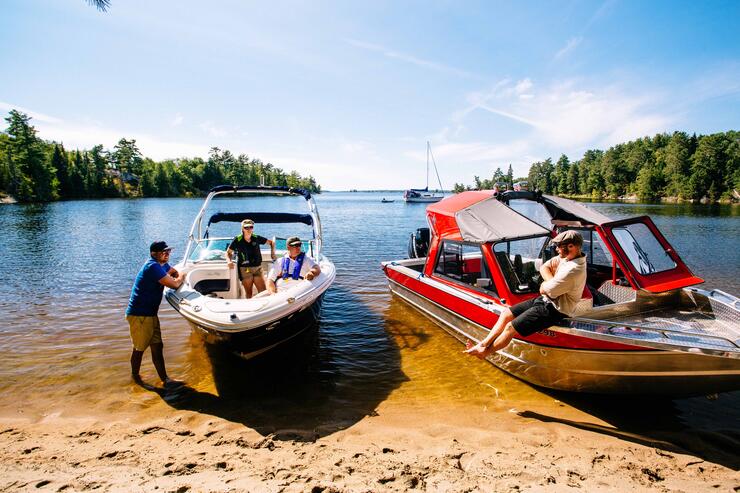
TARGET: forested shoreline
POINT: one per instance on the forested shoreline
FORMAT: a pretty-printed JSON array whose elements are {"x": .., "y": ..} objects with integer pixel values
[
  {"x": 675, "y": 167},
  {"x": 36, "y": 170}
]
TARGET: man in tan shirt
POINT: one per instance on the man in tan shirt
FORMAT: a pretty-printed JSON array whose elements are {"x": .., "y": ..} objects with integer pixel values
[{"x": 564, "y": 279}]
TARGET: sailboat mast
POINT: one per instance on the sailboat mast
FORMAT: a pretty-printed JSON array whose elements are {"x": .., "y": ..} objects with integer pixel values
[{"x": 428, "y": 151}]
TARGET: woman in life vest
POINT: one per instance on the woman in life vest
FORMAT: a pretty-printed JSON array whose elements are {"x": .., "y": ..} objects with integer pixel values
[{"x": 294, "y": 265}]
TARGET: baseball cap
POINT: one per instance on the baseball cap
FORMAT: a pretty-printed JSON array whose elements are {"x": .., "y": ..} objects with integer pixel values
[
  {"x": 247, "y": 222},
  {"x": 293, "y": 241},
  {"x": 159, "y": 246}
]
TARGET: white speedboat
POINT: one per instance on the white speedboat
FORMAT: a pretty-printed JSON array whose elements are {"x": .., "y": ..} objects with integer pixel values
[{"x": 212, "y": 297}]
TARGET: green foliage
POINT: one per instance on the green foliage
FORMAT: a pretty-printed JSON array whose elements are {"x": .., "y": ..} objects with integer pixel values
[
  {"x": 667, "y": 165},
  {"x": 35, "y": 170}
]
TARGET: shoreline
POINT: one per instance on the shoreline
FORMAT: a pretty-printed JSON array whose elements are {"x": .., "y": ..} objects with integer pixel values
[{"x": 542, "y": 446}]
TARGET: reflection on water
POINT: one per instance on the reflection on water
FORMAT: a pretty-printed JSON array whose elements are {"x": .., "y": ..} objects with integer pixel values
[{"x": 67, "y": 272}]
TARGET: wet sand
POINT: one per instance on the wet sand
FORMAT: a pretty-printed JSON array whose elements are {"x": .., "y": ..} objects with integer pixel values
[{"x": 192, "y": 441}]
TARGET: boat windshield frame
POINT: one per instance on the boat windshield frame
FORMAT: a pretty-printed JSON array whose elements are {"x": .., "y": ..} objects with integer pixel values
[
  {"x": 664, "y": 279},
  {"x": 197, "y": 232}
]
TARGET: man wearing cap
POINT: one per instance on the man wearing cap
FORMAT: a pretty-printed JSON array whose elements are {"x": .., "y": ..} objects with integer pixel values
[
  {"x": 564, "y": 279},
  {"x": 294, "y": 265},
  {"x": 143, "y": 306},
  {"x": 249, "y": 257}
]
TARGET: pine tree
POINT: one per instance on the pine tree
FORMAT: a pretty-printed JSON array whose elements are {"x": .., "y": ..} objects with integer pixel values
[
  {"x": 60, "y": 163},
  {"x": 34, "y": 177}
]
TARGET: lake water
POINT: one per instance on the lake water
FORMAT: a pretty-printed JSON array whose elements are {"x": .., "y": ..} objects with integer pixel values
[{"x": 67, "y": 269}]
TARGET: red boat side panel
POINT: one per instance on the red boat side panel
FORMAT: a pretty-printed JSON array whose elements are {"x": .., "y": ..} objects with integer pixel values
[{"x": 487, "y": 318}]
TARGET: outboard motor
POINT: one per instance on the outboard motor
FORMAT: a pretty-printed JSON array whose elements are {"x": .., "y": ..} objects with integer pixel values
[{"x": 419, "y": 243}]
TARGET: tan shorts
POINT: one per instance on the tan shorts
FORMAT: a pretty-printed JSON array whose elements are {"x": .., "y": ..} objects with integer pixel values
[
  {"x": 248, "y": 273},
  {"x": 144, "y": 331}
]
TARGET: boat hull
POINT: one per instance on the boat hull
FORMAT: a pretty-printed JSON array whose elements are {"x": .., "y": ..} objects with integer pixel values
[
  {"x": 252, "y": 342},
  {"x": 423, "y": 200},
  {"x": 609, "y": 371}
]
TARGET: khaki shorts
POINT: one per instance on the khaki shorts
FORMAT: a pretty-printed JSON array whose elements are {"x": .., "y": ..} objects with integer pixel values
[
  {"x": 144, "y": 331},
  {"x": 247, "y": 273}
]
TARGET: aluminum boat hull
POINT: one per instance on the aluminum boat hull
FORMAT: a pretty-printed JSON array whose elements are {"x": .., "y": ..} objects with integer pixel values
[{"x": 588, "y": 369}]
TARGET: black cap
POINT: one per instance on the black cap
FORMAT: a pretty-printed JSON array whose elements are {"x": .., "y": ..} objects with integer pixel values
[{"x": 159, "y": 246}]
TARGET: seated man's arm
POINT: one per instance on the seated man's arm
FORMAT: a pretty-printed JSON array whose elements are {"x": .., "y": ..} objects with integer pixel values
[
  {"x": 314, "y": 271},
  {"x": 548, "y": 269},
  {"x": 560, "y": 284}
]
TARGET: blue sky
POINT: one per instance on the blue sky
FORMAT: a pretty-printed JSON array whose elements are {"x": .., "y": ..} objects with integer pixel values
[{"x": 350, "y": 92}]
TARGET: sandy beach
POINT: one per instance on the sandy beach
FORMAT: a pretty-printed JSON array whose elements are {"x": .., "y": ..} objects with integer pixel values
[{"x": 547, "y": 446}]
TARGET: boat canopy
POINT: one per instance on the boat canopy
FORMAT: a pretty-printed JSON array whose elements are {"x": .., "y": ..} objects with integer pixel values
[
  {"x": 563, "y": 212},
  {"x": 479, "y": 217},
  {"x": 261, "y": 217},
  {"x": 262, "y": 189}
]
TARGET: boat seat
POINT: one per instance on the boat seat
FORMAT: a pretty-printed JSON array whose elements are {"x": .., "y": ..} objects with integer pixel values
[
  {"x": 586, "y": 303},
  {"x": 502, "y": 258}
]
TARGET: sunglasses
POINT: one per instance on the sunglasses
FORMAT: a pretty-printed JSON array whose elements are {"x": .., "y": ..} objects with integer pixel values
[
  {"x": 564, "y": 246},
  {"x": 248, "y": 227}
]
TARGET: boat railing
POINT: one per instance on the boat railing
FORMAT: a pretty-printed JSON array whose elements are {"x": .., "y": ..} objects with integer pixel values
[{"x": 646, "y": 335}]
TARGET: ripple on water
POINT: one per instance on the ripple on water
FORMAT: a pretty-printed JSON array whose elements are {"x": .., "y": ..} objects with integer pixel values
[{"x": 65, "y": 338}]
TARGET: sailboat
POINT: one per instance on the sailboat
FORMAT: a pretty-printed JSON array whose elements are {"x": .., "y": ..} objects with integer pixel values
[{"x": 423, "y": 194}]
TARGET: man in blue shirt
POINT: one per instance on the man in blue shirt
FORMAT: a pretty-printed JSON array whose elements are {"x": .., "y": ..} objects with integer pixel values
[{"x": 141, "y": 314}]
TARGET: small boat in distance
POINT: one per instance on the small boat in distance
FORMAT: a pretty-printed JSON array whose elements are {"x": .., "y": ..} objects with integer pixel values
[
  {"x": 641, "y": 326},
  {"x": 423, "y": 195},
  {"x": 212, "y": 297},
  {"x": 386, "y": 201}
]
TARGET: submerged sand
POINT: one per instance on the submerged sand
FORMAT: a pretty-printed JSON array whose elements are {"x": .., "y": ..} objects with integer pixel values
[{"x": 552, "y": 446}]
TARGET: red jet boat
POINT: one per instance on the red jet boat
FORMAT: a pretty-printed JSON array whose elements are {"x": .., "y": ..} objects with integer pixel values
[{"x": 640, "y": 328}]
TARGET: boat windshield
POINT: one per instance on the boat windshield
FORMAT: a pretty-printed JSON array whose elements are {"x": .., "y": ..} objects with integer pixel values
[
  {"x": 519, "y": 261},
  {"x": 642, "y": 248},
  {"x": 210, "y": 249}
]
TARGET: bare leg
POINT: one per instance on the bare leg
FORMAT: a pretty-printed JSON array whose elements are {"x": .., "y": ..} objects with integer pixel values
[
  {"x": 502, "y": 340},
  {"x": 136, "y": 364},
  {"x": 158, "y": 360},
  {"x": 481, "y": 349},
  {"x": 247, "y": 283},
  {"x": 259, "y": 283}
]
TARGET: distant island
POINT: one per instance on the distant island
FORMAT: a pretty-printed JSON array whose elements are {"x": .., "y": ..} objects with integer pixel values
[{"x": 35, "y": 170}]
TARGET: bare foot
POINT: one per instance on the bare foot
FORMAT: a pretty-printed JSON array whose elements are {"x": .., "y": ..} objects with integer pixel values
[{"x": 477, "y": 350}]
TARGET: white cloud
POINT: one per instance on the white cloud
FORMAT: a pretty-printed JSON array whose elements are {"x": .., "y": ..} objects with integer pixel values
[
  {"x": 177, "y": 120},
  {"x": 85, "y": 135},
  {"x": 562, "y": 117},
  {"x": 439, "y": 67},
  {"x": 569, "y": 46},
  {"x": 38, "y": 117},
  {"x": 566, "y": 117},
  {"x": 211, "y": 129}
]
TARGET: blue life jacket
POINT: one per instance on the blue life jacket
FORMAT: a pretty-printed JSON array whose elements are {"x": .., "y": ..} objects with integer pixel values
[{"x": 296, "y": 274}]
